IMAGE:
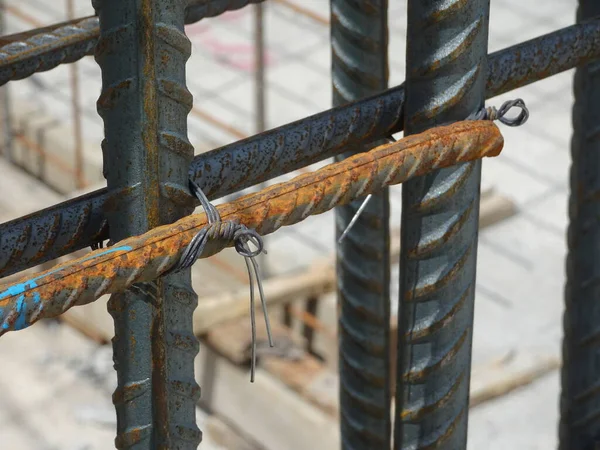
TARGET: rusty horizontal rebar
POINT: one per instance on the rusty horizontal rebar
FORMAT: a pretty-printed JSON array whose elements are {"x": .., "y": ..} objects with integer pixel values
[
  {"x": 80, "y": 222},
  {"x": 146, "y": 257}
]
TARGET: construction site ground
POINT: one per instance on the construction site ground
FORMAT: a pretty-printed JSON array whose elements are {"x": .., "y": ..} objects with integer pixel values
[{"x": 56, "y": 384}]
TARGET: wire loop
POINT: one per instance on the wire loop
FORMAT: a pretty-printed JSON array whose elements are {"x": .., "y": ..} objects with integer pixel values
[
  {"x": 485, "y": 113},
  {"x": 241, "y": 236}
]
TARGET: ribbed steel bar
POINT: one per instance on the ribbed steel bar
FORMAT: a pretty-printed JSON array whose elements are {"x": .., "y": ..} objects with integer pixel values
[
  {"x": 445, "y": 81},
  {"x": 199, "y": 9},
  {"x": 143, "y": 258},
  {"x": 359, "y": 46},
  {"x": 144, "y": 102},
  {"x": 45, "y": 48},
  {"x": 580, "y": 396},
  {"x": 41, "y": 51},
  {"x": 80, "y": 222}
]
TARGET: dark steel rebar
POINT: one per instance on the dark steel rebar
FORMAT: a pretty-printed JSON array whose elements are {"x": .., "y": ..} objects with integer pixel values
[
  {"x": 142, "y": 51},
  {"x": 579, "y": 426},
  {"x": 199, "y": 9},
  {"x": 78, "y": 223},
  {"x": 76, "y": 111},
  {"x": 45, "y": 48},
  {"x": 51, "y": 47},
  {"x": 142, "y": 259},
  {"x": 446, "y": 72},
  {"x": 359, "y": 45}
]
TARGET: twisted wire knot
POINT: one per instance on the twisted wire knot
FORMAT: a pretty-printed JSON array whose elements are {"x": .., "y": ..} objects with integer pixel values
[
  {"x": 241, "y": 236},
  {"x": 491, "y": 113}
]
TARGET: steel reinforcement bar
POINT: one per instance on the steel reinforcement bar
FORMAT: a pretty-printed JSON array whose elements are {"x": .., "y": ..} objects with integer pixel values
[
  {"x": 359, "y": 53},
  {"x": 80, "y": 222},
  {"x": 42, "y": 49},
  {"x": 445, "y": 81},
  {"x": 144, "y": 103},
  {"x": 144, "y": 258},
  {"x": 579, "y": 426}
]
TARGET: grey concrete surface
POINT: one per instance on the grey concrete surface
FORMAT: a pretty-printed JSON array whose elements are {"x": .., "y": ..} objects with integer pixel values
[{"x": 521, "y": 261}]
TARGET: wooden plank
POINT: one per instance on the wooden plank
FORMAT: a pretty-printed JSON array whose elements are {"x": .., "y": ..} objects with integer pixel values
[
  {"x": 56, "y": 393},
  {"x": 268, "y": 411},
  {"x": 233, "y": 340},
  {"x": 499, "y": 377},
  {"x": 499, "y": 380}
]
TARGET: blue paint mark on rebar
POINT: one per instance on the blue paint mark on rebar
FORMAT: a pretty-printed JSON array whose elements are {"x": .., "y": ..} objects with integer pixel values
[
  {"x": 37, "y": 300},
  {"x": 20, "y": 289},
  {"x": 30, "y": 284},
  {"x": 21, "y": 308}
]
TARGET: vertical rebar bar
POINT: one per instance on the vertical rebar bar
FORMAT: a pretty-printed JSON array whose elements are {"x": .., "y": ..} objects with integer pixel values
[
  {"x": 144, "y": 103},
  {"x": 5, "y": 94},
  {"x": 259, "y": 96},
  {"x": 580, "y": 397},
  {"x": 445, "y": 81},
  {"x": 76, "y": 111},
  {"x": 359, "y": 43},
  {"x": 259, "y": 67}
]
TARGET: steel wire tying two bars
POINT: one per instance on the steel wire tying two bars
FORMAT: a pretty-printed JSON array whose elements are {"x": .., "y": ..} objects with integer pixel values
[
  {"x": 359, "y": 45},
  {"x": 144, "y": 102},
  {"x": 146, "y": 257},
  {"x": 579, "y": 426},
  {"x": 79, "y": 223},
  {"x": 445, "y": 81}
]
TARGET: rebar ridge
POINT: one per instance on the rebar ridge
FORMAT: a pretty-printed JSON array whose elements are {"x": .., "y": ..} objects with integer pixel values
[
  {"x": 579, "y": 426},
  {"x": 144, "y": 103},
  {"x": 26, "y": 241},
  {"x": 175, "y": 344},
  {"x": 359, "y": 43},
  {"x": 199, "y": 9},
  {"x": 446, "y": 64},
  {"x": 143, "y": 258},
  {"x": 46, "y": 48}
]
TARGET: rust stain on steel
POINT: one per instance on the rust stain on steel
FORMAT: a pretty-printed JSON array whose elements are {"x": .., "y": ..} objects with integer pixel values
[
  {"x": 144, "y": 258},
  {"x": 150, "y": 116}
]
